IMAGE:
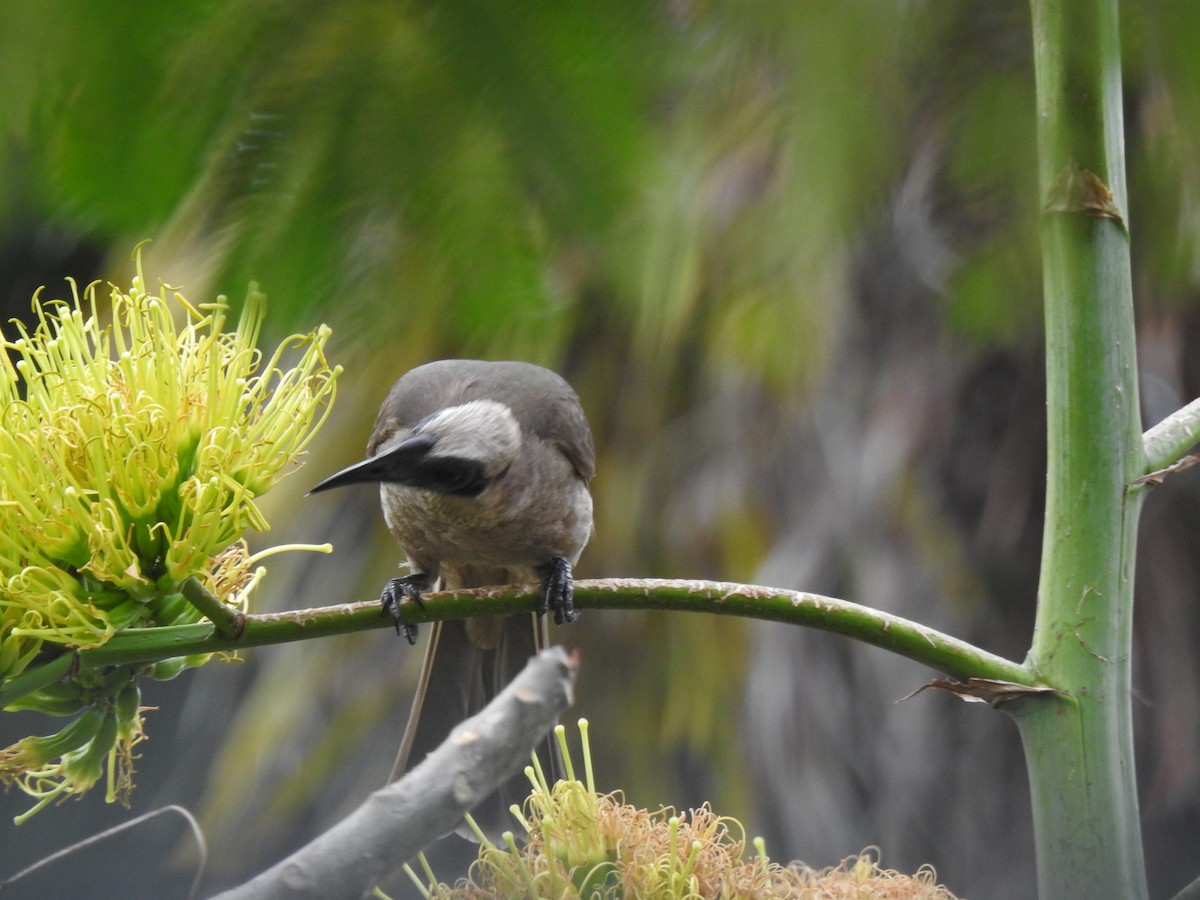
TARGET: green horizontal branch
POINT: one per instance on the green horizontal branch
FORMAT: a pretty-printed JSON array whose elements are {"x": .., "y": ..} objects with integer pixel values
[
  {"x": 939, "y": 651},
  {"x": 917, "y": 642},
  {"x": 1170, "y": 439}
]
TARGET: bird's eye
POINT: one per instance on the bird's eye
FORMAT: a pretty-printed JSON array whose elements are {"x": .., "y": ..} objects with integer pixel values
[
  {"x": 451, "y": 476},
  {"x": 463, "y": 477}
]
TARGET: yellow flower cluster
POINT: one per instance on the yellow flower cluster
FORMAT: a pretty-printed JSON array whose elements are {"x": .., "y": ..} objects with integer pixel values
[
  {"x": 135, "y": 438},
  {"x": 581, "y": 844},
  {"x": 131, "y": 454}
]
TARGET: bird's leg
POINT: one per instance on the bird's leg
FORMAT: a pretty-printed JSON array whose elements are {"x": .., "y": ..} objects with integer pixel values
[
  {"x": 396, "y": 592},
  {"x": 557, "y": 591}
]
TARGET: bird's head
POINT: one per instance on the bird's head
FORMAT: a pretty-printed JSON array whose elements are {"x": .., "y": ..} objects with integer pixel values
[{"x": 459, "y": 450}]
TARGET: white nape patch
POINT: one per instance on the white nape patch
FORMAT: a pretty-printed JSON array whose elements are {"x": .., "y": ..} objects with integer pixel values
[{"x": 483, "y": 430}]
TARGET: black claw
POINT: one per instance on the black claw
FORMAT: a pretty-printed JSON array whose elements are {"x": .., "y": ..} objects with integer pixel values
[
  {"x": 395, "y": 592},
  {"x": 558, "y": 593}
]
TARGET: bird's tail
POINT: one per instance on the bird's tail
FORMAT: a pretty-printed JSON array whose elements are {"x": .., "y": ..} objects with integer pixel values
[{"x": 466, "y": 664}]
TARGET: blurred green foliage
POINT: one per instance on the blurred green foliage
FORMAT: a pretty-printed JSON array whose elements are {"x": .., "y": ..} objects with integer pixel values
[{"x": 478, "y": 174}]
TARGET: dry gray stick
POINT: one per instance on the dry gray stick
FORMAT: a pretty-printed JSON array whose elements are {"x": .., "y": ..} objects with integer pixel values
[{"x": 397, "y": 821}]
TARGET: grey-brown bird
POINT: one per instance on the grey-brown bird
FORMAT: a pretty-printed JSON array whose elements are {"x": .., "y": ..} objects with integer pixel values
[{"x": 483, "y": 470}]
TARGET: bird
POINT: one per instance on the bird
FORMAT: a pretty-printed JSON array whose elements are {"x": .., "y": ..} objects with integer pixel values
[{"x": 483, "y": 470}]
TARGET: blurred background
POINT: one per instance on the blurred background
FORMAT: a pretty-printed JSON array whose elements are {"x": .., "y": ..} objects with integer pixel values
[{"x": 787, "y": 254}]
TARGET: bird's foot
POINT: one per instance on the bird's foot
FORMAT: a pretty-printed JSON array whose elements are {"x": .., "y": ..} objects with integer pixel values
[
  {"x": 558, "y": 592},
  {"x": 395, "y": 592}
]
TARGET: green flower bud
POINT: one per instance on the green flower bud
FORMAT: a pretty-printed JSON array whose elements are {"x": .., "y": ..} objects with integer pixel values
[
  {"x": 63, "y": 699},
  {"x": 35, "y": 752}
]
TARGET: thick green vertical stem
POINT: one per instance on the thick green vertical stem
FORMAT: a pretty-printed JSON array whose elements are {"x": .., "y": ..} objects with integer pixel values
[{"x": 1080, "y": 750}]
